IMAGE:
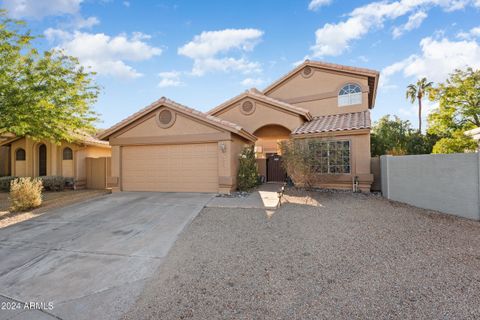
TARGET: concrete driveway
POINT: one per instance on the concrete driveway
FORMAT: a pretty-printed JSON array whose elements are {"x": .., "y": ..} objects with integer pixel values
[{"x": 90, "y": 260}]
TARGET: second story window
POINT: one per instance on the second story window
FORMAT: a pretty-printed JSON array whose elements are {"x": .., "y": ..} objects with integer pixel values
[{"x": 349, "y": 95}]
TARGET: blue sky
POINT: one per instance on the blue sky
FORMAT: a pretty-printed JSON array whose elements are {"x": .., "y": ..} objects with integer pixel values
[{"x": 201, "y": 53}]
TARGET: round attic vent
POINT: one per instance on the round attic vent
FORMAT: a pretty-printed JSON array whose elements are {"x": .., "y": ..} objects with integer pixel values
[
  {"x": 248, "y": 107},
  {"x": 165, "y": 118},
  {"x": 307, "y": 72}
]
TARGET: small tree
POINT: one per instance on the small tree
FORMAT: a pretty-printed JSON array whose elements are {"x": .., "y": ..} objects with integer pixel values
[
  {"x": 247, "y": 176},
  {"x": 298, "y": 160}
]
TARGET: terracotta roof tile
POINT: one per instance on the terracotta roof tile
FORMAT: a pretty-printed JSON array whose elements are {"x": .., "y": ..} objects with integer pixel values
[
  {"x": 167, "y": 102},
  {"x": 256, "y": 94},
  {"x": 336, "y": 122}
]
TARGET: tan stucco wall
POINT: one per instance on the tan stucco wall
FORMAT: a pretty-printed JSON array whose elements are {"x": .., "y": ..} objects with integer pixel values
[
  {"x": 263, "y": 115},
  {"x": 359, "y": 162},
  {"x": 269, "y": 139},
  {"x": 183, "y": 125},
  {"x": 321, "y": 90},
  {"x": 186, "y": 130},
  {"x": 55, "y": 164},
  {"x": 80, "y": 156}
]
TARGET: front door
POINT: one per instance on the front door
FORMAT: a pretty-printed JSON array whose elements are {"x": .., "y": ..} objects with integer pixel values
[
  {"x": 42, "y": 160},
  {"x": 275, "y": 171}
]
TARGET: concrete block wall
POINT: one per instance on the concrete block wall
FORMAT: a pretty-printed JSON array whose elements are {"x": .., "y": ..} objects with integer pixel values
[{"x": 447, "y": 183}]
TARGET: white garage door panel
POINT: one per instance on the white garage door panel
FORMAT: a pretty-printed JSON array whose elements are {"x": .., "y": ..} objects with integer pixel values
[{"x": 170, "y": 168}]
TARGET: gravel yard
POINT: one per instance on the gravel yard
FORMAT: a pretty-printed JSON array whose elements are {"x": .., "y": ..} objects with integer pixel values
[{"x": 341, "y": 256}]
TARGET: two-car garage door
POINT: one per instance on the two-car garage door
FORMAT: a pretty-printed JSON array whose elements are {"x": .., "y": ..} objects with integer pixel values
[{"x": 170, "y": 168}]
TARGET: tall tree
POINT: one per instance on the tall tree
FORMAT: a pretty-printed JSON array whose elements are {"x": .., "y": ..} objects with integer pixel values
[
  {"x": 45, "y": 96},
  {"x": 458, "y": 111},
  {"x": 417, "y": 92}
]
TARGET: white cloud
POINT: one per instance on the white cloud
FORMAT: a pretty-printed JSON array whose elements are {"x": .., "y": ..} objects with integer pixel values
[
  {"x": 40, "y": 8},
  {"x": 316, "y": 4},
  {"x": 334, "y": 38},
  {"x": 252, "y": 82},
  {"x": 89, "y": 22},
  {"x": 208, "y": 50},
  {"x": 170, "y": 79},
  {"x": 472, "y": 33},
  {"x": 438, "y": 59},
  {"x": 414, "y": 21},
  {"x": 105, "y": 54},
  {"x": 126, "y": 3}
]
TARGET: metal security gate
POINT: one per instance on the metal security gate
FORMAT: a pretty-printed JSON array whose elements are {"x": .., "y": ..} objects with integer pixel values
[{"x": 275, "y": 171}]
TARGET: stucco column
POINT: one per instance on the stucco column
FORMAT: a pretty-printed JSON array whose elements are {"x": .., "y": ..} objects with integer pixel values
[
  {"x": 29, "y": 157},
  {"x": 53, "y": 160},
  {"x": 225, "y": 179}
]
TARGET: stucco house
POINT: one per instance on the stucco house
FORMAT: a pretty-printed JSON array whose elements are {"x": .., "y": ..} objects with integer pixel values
[
  {"x": 170, "y": 147},
  {"x": 24, "y": 157}
]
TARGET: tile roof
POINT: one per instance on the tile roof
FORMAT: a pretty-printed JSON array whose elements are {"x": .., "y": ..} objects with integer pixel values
[
  {"x": 175, "y": 105},
  {"x": 256, "y": 94},
  {"x": 336, "y": 122},
  {"x": 372, "y": 75},
  {"x": 90, "y": 140}
]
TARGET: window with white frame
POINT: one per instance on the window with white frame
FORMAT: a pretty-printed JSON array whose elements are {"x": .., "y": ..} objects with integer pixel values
[
  {"x": 350, "y": 94},
  {"x": 332, "y": 157}
]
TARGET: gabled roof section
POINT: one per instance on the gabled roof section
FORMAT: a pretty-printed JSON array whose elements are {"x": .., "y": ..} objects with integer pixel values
[
  {"x": 164, "y": 102},
  {"x": 259, "y": 96},
  {"x": 79, "y": 138},
  {"x": 372, "y": 75},
  {"x": 336, "y": 122}
]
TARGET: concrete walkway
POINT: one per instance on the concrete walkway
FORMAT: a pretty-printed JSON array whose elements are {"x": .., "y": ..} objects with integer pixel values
[
  {"x": 264, "y": 197},
  {"x": 91, "y": 260}
]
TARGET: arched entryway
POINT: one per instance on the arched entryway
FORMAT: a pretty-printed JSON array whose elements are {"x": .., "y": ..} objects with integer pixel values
[
  {"x": 42, "y": 160},
  {"x": 268, "y": 153}
]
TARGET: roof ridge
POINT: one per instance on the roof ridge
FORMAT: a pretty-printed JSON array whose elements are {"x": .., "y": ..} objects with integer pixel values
[
  {"x": 168, "y": 102},
  {"x": 254, "y": 93}
]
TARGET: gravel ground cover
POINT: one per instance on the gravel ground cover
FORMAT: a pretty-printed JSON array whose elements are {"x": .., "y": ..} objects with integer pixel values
[{"x": 332, "y": 256}]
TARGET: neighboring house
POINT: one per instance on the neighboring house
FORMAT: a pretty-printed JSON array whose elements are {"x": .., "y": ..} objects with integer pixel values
[
  {"x": 169, "y": 147},
  {"x": 24, "y": 157}
]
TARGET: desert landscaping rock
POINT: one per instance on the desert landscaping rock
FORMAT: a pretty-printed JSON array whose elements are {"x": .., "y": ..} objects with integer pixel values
[{"x": 343, "y": 256}]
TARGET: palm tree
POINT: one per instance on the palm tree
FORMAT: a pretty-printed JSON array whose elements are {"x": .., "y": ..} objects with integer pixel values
[{"x": 417, "y": 92}]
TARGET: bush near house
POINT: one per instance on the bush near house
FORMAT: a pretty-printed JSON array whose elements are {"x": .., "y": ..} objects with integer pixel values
[
  {"x": 53, "y": 183},
  {"x": 50, "y": 183},
  {"x": 25, "y": 193},
  {"x": 299, "y": 161},
  {"x": 5, "y": 183},
  {"x": 247, "y": 176}
]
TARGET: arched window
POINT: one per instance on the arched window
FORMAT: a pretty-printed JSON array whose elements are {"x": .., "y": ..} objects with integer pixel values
[
  {"x": 20, "y": 154},
  {"x": 67, "y": 154},
  {"x": 350, "y": 94}
]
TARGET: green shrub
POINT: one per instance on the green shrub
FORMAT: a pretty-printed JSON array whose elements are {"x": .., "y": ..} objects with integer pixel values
[
  {"x": 247, "y": 176},
  {"x": 25, "y": 193},
  {"x": 53, "y": 183},
  {"x": 5, "y": 183}
]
